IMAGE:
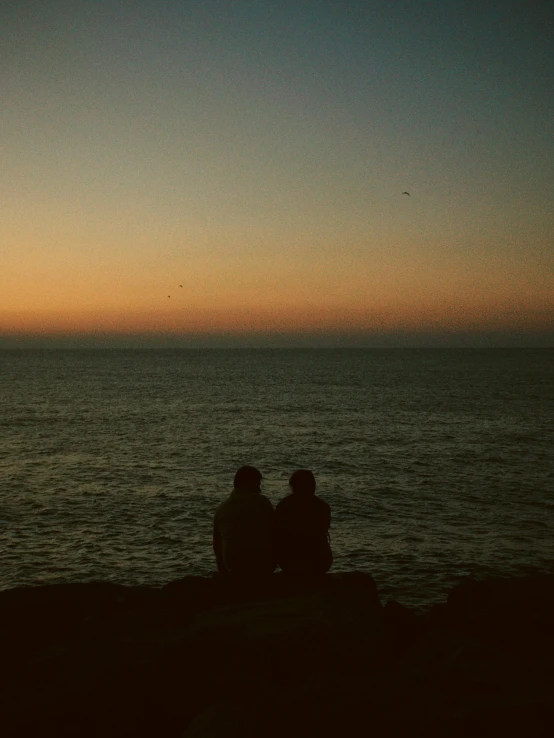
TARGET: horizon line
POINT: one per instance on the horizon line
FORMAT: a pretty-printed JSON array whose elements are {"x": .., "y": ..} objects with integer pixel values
[{"x": 439, "y": 339}]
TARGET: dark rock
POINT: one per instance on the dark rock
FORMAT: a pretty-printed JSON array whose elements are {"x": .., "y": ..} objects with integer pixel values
[
  {"x": 225, "y": 718},
  {"x": 32, "y": 618},
  {"x": 402, "y": 629},
  {"x": 514, "y": 614},
  {"x": 534, "y": 719},
  {"x": 209, "y": 656}
]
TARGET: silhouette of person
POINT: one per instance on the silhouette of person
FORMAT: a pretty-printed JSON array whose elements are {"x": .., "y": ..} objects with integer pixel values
[
  {"x": 243, "y": 534},
  {"x": 302, "y": 522}
]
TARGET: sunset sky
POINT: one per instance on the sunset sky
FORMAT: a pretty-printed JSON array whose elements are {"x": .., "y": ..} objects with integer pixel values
[{"x": 256, "y": 154}]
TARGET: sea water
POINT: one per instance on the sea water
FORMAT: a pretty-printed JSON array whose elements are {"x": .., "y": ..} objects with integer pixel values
[{"x": 438, "y": 464}]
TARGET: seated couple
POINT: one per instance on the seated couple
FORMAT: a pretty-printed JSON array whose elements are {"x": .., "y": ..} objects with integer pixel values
[{"x": 250, "y": 538}]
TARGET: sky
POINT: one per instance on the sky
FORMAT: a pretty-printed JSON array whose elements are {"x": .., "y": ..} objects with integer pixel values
[{"x": 231, "y": 173}]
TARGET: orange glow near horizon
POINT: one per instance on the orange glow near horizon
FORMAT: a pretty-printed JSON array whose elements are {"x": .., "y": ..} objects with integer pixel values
[
  {"x": 301, "y": 288},
  {"x": 416, "y": 316}
]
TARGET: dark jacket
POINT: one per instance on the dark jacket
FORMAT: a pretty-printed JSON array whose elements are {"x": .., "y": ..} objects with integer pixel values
[
  {"x": 243, "y": 534},
  {"x": 302, "y": 534}
]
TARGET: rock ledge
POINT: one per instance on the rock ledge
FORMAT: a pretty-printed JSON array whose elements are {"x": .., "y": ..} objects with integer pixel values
[{"x": 203, "y": 658}]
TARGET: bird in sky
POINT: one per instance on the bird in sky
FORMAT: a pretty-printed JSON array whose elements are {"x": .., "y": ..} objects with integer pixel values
[
  {"x": 406, "y": 193},
  {"x": 180, "y": 285}
]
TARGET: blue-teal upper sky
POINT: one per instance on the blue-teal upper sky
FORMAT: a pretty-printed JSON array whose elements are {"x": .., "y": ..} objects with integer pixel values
[{"x": 256, "y": 154}]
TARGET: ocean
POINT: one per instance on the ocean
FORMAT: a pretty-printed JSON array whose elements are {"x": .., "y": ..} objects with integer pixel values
[{"x": 438, "y": 464}]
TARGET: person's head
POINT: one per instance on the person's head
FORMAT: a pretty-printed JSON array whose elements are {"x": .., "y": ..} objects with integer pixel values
[
  {"x": 302, "y": 482},
  {"x": 248, "y": 478}
]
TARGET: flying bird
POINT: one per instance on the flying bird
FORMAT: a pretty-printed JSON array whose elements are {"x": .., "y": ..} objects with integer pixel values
[
  {"x": 180, "y": 285},
  {"x": 406, "y": 193}
]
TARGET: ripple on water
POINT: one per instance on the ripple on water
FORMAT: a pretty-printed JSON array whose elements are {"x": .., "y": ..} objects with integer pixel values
[{"x": 113, "y": 463}]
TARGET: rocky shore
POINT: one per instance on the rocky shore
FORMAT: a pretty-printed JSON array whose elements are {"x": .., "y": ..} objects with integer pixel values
[{"x": 202, "y": 658}]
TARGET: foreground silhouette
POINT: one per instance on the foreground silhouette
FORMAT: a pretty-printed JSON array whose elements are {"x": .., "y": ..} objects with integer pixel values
[
  {"x": 320, "y": 658},
  {"x": 302, "y": 521},
  {"x": 243, "y": 529},
  {"x": 250, "y": 538}
]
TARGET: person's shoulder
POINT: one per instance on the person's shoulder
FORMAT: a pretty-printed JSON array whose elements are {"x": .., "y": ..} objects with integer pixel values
[
  {"x": 265, "y": 501},
  {"x": 321, "y": 502},
  {"x": 223, "y": 504},
  {"x": 285, "y": 502}
]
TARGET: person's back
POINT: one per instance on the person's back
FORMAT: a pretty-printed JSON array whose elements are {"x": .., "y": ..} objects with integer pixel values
[
  {"x": 243, "y": 528},
  {"x": 302, "y": 522}
]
